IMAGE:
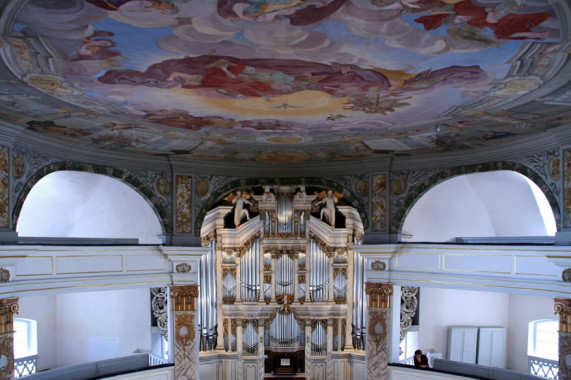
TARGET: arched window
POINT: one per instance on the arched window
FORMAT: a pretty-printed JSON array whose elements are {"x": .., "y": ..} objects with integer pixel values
[
  {"x": 25, "y": 346},
  {"x": 86, "y": 205},
  {"x": 489, "y": 204}
]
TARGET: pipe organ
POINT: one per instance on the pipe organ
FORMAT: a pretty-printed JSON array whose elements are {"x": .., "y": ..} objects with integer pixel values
[{"x": 281, "y": 285}]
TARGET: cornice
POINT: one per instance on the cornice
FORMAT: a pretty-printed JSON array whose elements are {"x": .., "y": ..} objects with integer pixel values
[{"x": 552, "y": 139}]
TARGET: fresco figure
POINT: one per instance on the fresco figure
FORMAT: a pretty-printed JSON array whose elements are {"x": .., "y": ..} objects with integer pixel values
[
  {"x": 505, "y": 26},
  {"x": 241, "y": 209},
  {"x": 299, "y": 12},
  {"x": 329, "y": 210}
]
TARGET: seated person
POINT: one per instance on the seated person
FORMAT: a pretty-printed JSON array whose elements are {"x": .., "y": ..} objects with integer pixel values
[{"x": 420, "y": 360}]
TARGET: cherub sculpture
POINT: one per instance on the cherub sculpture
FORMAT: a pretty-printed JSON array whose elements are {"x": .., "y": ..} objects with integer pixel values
[
  {"x": 241, "y": 208},
  {"x": 329, "y": 199}
]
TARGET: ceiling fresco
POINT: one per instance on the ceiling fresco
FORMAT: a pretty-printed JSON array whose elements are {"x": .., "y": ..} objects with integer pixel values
[{"x": 284, "y": 81}]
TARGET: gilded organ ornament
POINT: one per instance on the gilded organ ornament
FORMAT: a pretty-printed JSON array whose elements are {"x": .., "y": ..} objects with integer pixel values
[{"x": 184, "y": 330}]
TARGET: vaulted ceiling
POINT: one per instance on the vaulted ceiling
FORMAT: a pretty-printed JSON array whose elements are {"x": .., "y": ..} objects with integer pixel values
[{"x": 285, "y": 81}]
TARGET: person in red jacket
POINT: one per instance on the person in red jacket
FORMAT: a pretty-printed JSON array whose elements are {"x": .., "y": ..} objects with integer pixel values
[{"x": 420, "y": 360}]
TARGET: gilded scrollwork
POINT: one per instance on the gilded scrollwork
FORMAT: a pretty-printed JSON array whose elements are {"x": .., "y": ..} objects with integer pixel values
[
  {"x": 4, "y": 275},
  {"x": 562, "y": 307},
  {"x": 8, "y": 307},
  {"x": 315, "y": 322},
  {"x": 240, "y": 251},
  {"x": 379, "y": 294},
  {"x": 378, "y": 326},
  {"x": 378, "y": 265},
  {"x": 329, "y": 251},
  {"x": 184, "y": 330},
  {"x": 566, "y": 275},
  {"x": 183, "y": 268},
  {"x": 183, "y": 297}
]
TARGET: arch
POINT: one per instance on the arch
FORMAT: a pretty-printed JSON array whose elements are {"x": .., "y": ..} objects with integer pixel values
[
  {"x": 156, "y": 204},
  {"x": 417, "y": 192},
  {"x": 231, "y": 186}
]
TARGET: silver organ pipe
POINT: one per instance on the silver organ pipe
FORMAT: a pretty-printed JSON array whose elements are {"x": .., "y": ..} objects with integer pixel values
[
  {"x": 285, "y": 331},
  {"x": 318, "y": 274},
  {"x": 285, "y": 215},
  {"x": 340, "y": 287},
  {"x": 359, "y": 304},
  {"x": 319, "y": 341},
  {"x": 250, "y": 340},
  {"x": 250, "y": 273},
  {"x": 285, "y": 272},
  {"x": 207, "y": 300}
]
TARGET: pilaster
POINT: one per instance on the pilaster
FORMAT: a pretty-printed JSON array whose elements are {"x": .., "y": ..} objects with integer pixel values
[
  {"x": 562, "y": 307},
  {"x": 8, "y": 307},
  {"x": 377, "y": 347},
  {"x": 185, "y": 332}
]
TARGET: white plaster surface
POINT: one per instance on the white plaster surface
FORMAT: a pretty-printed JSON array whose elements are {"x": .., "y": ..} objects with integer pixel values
[
  {"x": 77, "y": 204},
  {"x": 488, "y": 204}
]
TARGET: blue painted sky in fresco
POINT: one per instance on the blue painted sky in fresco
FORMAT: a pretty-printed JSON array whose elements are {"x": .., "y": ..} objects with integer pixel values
[
  {"x": 139, "y": 44},
  {"x": 491, "y": 59}
]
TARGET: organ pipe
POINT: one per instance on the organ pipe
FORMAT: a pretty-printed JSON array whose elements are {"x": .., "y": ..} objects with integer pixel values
[
  {"x": 319, "y": 274},
  {"x": 250, "y": 273},
  {"x": 207, "y": 299}
]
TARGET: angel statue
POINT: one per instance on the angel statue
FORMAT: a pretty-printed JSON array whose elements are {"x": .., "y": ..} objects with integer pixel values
[
  {"x": 329, "y": 201},
  {"x": 241, "y": 208}
]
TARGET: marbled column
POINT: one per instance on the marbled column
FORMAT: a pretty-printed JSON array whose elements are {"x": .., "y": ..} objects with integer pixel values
[
  {"x": 261, "y": 351},
  {"x": 8, "y": 307},
  {"x": 329, "y": 348},
  {"x": 562, "y": 307},
  {"x": 185, "y": 345},
  {"x": 377, "y": 346},
  {"x": 239, "y": 340},
  {"x": 308, "y": 362}
]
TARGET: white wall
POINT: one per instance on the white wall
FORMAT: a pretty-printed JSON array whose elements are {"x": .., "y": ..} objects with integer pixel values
[
  {"x": 77, "y": 204},
  {"x": 43, "y": 310},
  {"x": 72, "y": 326},
  {"x": 86, "y": 320},
  {"x": 524, "y": 309},
  {"x": 489, "y": 204},
  {"x": 442, "y": 308}
]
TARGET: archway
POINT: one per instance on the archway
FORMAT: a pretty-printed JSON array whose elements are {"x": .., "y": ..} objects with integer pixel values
[
  {"x": 488, "y": 204},
  {"x": 87, "y": 205}
]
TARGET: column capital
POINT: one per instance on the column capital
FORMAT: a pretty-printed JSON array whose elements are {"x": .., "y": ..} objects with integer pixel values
[
  {"x": 183, "y": 297},
  {"x": 8, "y": 306},
  {"x": 562, "y": 307},
  {"x": 379, "y": 294}
]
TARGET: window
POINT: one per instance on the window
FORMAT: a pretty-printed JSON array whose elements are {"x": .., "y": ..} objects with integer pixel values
[
  {"x": 25, "y": 338},
  {"x": 543, "y": 339},
  {"x": 409, "y": 344},
  {"x": 543, "y": 348}
]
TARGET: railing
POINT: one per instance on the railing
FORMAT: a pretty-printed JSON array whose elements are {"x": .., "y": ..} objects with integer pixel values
[
  {"x": 407, "y": 361},
  {"x": 156, "y": 360},
  {"x": 103, "y": 368},
  {"x": 548, "y": 369},
  {"x": 25, "y": 366}
]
